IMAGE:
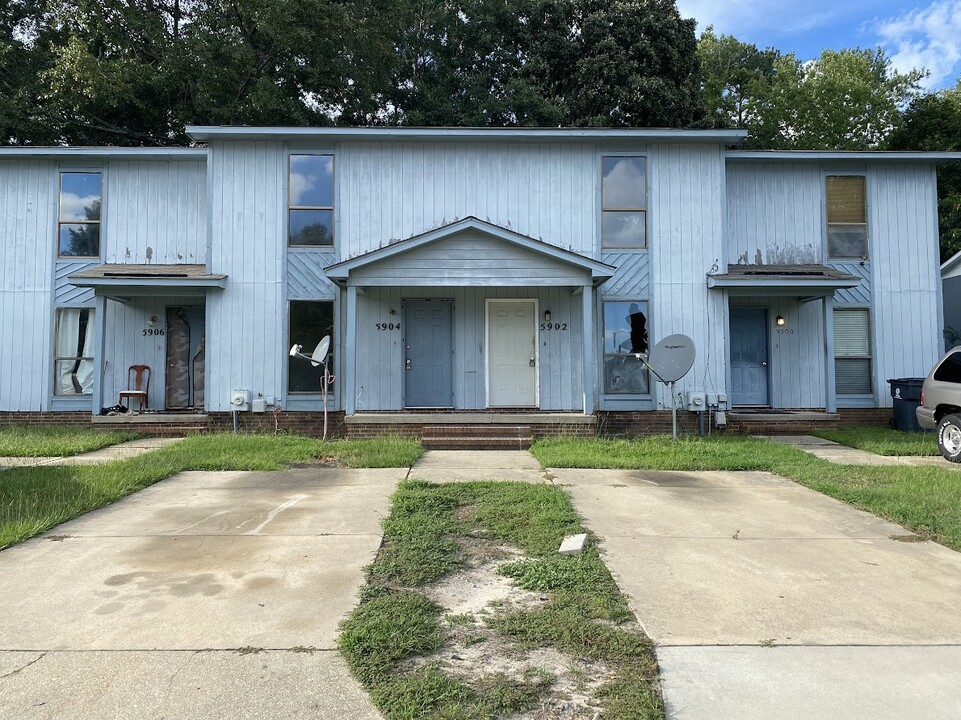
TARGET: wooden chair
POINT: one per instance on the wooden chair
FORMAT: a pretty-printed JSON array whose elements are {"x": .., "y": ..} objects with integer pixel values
[{"x": 138, "y": 385}]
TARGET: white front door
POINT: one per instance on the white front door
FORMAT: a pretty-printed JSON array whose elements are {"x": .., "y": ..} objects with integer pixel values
[{"x": 511, "y": 353}]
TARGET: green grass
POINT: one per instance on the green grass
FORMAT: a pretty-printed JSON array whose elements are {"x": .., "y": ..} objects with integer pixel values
[
  {"x": 925, "y": 499},
  {"x": 582, "y": 617},
  {"x": 35, "y": 499},
  {"x": 55, "y": 441},
  {"x": 882, "y": 441}
]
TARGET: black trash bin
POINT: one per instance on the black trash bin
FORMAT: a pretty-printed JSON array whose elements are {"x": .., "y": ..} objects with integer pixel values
[{"x": 907, "y": 398}]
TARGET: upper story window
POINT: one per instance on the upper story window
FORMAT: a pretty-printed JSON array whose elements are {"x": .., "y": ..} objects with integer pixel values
[
  {"x": 623, "y": 202},
  {"x": 78, "y": 221},
  {"x": 310, "y": 214},
  {"x": 847, "y": 217}
]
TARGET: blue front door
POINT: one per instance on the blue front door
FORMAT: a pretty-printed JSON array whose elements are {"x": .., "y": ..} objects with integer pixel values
[
  {"x": 428, "y": 353},
  {"x": 749, "y": 377}
]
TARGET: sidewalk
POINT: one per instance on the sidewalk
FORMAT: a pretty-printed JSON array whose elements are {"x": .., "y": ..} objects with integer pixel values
[
  {"x": 844, "y": 455},
  {"x": 122, "y": 451}
]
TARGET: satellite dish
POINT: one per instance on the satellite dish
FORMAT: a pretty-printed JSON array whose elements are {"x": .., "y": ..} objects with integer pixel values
[
  {"x": 672, "y": 358},
  {"x": 319, "y": 354}
]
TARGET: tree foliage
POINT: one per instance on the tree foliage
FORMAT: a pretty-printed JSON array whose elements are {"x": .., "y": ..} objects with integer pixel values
[{"x": 933, "y": 122}]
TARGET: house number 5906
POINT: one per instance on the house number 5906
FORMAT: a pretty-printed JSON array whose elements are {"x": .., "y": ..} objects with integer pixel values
[{"x": 153, "y": 331}]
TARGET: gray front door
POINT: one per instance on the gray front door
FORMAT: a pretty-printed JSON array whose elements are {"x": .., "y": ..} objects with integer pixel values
[
  {"x": 428, "y": 353},
  {"x": 749, "y": 377}
]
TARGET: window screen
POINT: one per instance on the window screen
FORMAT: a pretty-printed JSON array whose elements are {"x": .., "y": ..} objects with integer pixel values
[{"x": 852, "y": 352}]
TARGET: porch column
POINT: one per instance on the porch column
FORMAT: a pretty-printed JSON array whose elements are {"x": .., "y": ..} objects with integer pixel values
[
  {"x": 830, "y": 391},
  {"x": 587, "y": 312},
  {"x": 99, "y": 343},
  {"x": 350, "y": 352}
]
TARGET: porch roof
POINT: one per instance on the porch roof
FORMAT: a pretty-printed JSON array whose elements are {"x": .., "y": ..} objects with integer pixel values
[
  {"x": 135, "y": 280},
  {"x": 784, "y": 280},
  {"x": 470, "y": 252}
]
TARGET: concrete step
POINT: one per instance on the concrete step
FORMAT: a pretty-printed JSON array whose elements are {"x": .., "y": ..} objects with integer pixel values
[{"x": 476, "y": 437}]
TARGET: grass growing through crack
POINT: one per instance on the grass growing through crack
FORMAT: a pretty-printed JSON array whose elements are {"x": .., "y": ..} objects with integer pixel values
[
  {"x": 925, "y": 499},
  {"x": 57, "y": 440},
  {"x": 581, "y": 616},
  {"x": 35, "y": 499}
]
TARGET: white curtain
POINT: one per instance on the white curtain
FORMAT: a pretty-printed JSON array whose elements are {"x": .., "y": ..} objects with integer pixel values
[{"x": 74, "y": 366}]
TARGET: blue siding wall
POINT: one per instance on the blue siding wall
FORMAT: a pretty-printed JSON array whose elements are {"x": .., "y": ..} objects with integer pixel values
[
  {"x": 28, "y": 201},
  {"x": 392, "y": 191},
  {"x": 245, "y": 328}
]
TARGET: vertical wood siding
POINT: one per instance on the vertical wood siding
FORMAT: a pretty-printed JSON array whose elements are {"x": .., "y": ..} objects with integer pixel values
[
  {"x": 380, "y": 354},
  {"x": 28, "y": 201},
  {"x": 687, "y": 215},
  {"x": 245, "y": 327},
  {"x": 902, "y": 207},
  {"x": 774, "y": 213},
  {"x": 391, "y": 191},
  {"x": 155, "y": 212}
]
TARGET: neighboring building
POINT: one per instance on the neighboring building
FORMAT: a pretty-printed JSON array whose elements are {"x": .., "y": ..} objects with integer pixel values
[
  {"x": 464, "y": 269},
  {"x": 951, "y": 290}
]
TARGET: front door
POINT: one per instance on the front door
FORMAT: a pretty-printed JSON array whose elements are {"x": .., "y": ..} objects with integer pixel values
[
  {"x": 428, "y": 353},
  {"x": 185, "y": 358},
  {"x": 749, "y": 377},
  {"x": 512, "y": 353}
]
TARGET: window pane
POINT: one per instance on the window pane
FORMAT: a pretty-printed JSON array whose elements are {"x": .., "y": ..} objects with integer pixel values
[
  {"x": 846, "y": 199},
  {"x": 848, "y": 241},
  {"x": 311, "y": 227},
  {"x": 950, "y": 369},
  {"x": 78, "y": 240},
  {"x": 853, "y": 376},
  {"x": 624, "y": 183},
  {"x": 311, "y": 181},
  {"x": 310, "y": 321},
  {"x": 73, "y": 345},
  {"x": 625, "y": 333},
  {"x": 79, "y": 196},
  {"x": 623, "y": 230},
  {"x": 625, "y": 374},
  {"x": 852, "y": 333}
]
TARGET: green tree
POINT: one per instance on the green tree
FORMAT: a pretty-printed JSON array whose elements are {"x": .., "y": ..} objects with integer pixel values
[{"x": 933, "y": 122}]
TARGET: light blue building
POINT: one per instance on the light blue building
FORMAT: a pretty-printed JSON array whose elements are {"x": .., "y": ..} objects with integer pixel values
[{"x": 486, "y": 273}]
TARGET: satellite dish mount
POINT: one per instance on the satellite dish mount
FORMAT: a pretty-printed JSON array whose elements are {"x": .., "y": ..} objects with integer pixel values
[
  {"x": 669, "y": 361},
  {"x": 320, "y": 356}
]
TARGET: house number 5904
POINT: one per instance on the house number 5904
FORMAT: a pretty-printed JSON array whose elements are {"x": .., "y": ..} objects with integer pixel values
[{"x": 387, "y": 326}]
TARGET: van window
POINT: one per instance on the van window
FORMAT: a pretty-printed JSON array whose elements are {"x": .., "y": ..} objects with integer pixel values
[{"x": 950, "y": 369}]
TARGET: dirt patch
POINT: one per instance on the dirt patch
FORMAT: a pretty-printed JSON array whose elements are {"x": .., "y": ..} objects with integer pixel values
[{"x": 474, "y": 652}]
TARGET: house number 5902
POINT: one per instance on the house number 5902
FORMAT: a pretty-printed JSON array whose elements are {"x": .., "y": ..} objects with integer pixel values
[{"x": 554, "y": 326}]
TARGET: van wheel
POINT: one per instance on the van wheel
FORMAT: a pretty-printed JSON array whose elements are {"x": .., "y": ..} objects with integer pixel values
[{"x": 949, "y": 437}]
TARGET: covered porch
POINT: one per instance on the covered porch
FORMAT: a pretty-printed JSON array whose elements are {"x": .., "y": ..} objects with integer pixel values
[
  {"x": 469, "y": 317},
  {"x": 152, "y": 317},
  {"x": 781, "y": 343}
]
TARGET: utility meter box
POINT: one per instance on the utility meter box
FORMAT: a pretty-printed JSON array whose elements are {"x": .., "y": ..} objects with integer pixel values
[
  {"x": 240, "y": 400},
  {"x": 696, "y": 402}
]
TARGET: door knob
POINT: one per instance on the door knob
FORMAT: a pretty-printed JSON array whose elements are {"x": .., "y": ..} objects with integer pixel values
[
  {"x": 407, "y": 364},
  {"x": 763, "y": 363},
  {"x": 532, "y": 361}
]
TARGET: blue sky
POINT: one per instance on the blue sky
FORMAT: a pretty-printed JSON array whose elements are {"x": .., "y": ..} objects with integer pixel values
[{"x": 913, "y": 34}]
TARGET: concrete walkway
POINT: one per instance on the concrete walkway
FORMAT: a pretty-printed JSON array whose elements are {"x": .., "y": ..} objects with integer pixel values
[
  {"x": 845, "y": 455},
  {"x": 769, "y": 600},
  {"x": 467, "y": 465},
  {"x": 207, "y": 595},
  {"x": 121, "y": 451}
]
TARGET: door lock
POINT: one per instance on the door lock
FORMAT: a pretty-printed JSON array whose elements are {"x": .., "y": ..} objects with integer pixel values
[
  {"x": 407, "y": 364},
  {"x": 532, "y": 361},
  {"x": 764, "y": 363}
]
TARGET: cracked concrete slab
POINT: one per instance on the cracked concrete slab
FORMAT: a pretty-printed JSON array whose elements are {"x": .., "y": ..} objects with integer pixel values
[{"x": 185, "y": 685}]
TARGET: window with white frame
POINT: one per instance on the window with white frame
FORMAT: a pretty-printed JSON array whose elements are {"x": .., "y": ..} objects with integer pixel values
[
  {"x": 73, "y": 351},
  {"x": 623, "y": 202},
  {"x": 308, "y": 322},
  {"x": 78, "y": 219},
  {"x": 847, "y": 217},
  {"x": 310, "y": 211},
  {"x": 625, "y": 337},
  {"x": 852, "y": 351}
]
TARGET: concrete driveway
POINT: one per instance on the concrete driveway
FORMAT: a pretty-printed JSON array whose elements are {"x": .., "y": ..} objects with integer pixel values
[
  {"x": 207, "y": 595},
  {"x": 767, "y": 599}
]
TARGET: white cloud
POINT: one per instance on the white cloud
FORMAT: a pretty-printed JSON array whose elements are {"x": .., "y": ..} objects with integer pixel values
[
  {"x": 747, "y": 19},
  {"x": 928, "y": 37}
]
